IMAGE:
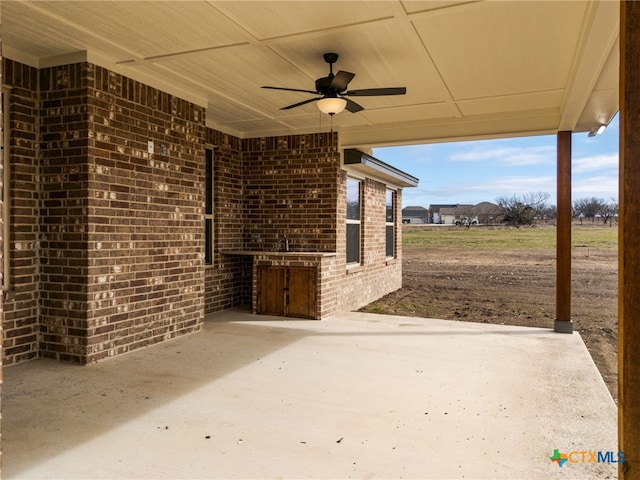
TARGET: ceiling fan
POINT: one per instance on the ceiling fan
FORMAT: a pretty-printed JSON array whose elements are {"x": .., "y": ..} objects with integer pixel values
[{"x": 333, "y": 90}]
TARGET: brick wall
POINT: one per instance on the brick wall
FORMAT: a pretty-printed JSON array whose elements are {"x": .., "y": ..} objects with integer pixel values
[
  {"x": 119, "y": 262},
  {"x": 376, "y": 275},
  {"x": 21, "y": 301},
  {"x": 264, "y": 189},
  {"x": 291, "y": 188},
  {"x": 331, "y": 286},
  {"x": 145, "y": 238},
  {"x": 108, "y": 240},
  {"x": 294, "y": 186},
  {"x": 63, "y": 150},
  {"x": 373, "y": 223},
  {"x": 228, "y": 279}
]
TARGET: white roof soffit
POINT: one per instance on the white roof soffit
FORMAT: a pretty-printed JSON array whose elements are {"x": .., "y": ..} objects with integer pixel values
[{"x": 473, "y": 69}]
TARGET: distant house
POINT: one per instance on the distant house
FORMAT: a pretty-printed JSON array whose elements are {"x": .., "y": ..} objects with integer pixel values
[
  {"x": 451, "y": 215},
  {"x": 435, "y": 212},
  {"x": 481, "y": 213},
  {"x": 415, "y": 215},
  {"x": 488, "y": 213}
]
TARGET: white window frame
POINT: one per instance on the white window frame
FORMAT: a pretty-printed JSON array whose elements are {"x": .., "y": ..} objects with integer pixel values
[
  {"x": 350, "y": 221},
  {"x": 392, "y": 223}
]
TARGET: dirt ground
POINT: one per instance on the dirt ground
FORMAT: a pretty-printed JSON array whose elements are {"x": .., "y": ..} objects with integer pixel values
[{"x": 512, "y": 287}]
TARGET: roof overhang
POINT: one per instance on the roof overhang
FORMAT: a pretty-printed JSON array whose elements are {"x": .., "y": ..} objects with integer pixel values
[
  {"x": 473, "y": 69},
  {"x": 364, "y": 164}
]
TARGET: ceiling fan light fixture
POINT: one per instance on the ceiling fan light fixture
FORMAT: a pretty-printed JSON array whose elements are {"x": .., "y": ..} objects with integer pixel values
[{"x": 331, "y": 105}]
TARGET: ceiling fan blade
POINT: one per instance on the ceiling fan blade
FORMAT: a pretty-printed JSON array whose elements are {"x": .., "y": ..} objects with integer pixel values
[
  {"x": 376, "y": 92},
  {"x": 352, "y": 106},
  {"x": 341, "y": 80},
  {"x": 292, "y": 90},
  {"x": 304, "y": 102}
]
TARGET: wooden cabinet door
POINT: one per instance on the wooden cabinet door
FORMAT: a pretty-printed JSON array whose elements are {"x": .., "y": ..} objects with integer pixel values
[
  {"x": 271, "y": 290},
  {"x": 301, "y": 298}
]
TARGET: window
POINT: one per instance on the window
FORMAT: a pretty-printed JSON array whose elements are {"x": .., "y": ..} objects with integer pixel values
[
  {"x": 208, "y": 209},
  {"x": 390, "y": 230},
  {"x": 353, "y": 221}
]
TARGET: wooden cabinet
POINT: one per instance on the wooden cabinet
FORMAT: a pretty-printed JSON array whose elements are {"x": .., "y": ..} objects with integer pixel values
[
  {"x": 301, "y": 298},
  {"x": 287, "y": 291},
  {"x": 271, "y": 290}
]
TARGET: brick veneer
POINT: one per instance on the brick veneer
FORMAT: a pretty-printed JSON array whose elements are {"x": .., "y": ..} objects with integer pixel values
[
  {"x": 107, "y": 240},
  {"x": 64, "y": 229},
  {"x": 21, "y": 302},
  {"x": 266, "y": 189},
  {"x": 291, "y": 189},
  {"x": 145, "y": 216},
  {"x": 146, "y": 277},
  {"x": 228, "y": 279},
  {"x": 376, "y": 275},
  {"x": 121, "y": 238}
]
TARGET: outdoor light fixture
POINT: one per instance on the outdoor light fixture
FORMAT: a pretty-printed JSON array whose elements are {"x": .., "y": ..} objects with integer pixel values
[
  {"x": 597, "y": 131},
  {"x": 331, "y": 105}
]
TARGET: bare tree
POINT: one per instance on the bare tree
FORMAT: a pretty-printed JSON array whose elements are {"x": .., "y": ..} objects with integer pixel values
[
  {"x": 548, "y": 212},
  {"x": 588, "y": 208},
  {"x": 522, "y": 209},
  {"x": 467, "y": 215},
  {"x": 608, "y": 211}
]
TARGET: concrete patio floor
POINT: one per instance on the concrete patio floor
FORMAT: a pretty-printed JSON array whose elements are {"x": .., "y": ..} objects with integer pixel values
[{"x": 354, "y": 396}]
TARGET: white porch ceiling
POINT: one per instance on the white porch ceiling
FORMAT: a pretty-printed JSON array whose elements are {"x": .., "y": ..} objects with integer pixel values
[{"x": 473, "y": 69}]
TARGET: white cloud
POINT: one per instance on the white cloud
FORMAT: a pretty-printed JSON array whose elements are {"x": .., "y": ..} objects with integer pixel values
[
  {"x": 483, "y": 191},
  {"x": 508, "y": 186},
  {"x": 412, "y": 154},
  {"x": 427, "y": 193},
  {"x": 472, "y": 172},
  {"x": 596, "y": 162},
  {"x": 513, "y": 156},
  {"x": 600, "y": 186}
]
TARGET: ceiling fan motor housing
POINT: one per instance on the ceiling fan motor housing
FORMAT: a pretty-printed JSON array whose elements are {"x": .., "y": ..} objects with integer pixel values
[
  {"x": 331, "y": 57},
  {"x": 323, "y": 85}
]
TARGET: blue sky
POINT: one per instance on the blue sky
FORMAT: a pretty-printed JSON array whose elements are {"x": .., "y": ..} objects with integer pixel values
[{"x": 483, "y": 170}]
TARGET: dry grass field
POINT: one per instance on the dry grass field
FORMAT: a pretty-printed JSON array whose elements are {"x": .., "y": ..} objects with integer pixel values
[{"x": 507, "y": 276}]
